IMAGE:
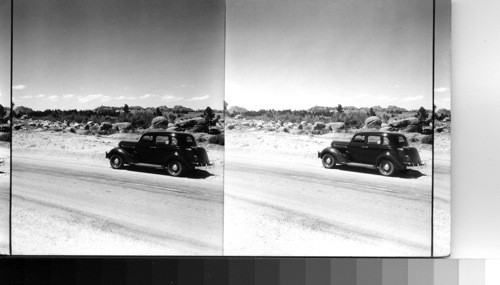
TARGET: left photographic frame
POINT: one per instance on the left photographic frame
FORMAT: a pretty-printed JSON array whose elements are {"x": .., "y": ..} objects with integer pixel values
[{"x": 113, "y": 101}]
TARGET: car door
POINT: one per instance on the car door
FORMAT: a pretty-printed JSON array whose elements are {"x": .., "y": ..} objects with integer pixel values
[
  {"x": 145, "y": 149},
  {"x": 374, "y": 148},
  {"x": 166, "y": 145},
  {"x": 356, "y": 148}
]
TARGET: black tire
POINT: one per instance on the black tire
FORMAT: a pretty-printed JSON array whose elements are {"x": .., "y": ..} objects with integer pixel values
[
  {"x": 116, "y": 161},
  {"x": 328, "y": 161},
  {"x": 386, "y": 167},
  {"x": 175, "y": 168}
]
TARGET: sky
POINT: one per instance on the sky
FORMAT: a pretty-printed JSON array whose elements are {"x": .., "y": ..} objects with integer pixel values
[
  {"x": 295, "y": 54},
  {"x": 81, "y": 54},
  {"x": 5, "y": 12}
]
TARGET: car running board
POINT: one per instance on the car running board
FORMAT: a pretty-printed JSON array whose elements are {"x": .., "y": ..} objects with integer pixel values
[
  {"x": 365, "y": 165},
  {"x": 147, "y": 165}
]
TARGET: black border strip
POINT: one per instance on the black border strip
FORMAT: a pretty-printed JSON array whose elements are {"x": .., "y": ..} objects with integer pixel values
[
  {"x": 11, "y": 117},
  {"x": 433, "y": 118}
]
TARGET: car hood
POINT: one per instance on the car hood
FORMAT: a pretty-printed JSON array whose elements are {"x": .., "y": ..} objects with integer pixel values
[
  {"x": 127, "y": 144},
  {"x": 340, "y": 143}
]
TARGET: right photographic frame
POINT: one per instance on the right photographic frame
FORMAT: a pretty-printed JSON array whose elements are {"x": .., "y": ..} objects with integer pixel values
[{"x": 337, "y": 128}]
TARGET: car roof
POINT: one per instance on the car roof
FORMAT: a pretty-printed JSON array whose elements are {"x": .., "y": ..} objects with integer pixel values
[
  {"x": 178, "y": 134},
  {"x": 374, "y": 133}
]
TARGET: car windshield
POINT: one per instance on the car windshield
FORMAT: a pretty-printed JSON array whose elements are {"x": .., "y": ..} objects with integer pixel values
[
  {"x": 190, "y": 141},
  {"x": 401, "y": 141}
]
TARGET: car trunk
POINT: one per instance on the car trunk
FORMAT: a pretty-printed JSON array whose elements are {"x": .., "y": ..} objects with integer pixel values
[
  {"x": 410, "y": 155},
  {"x": 202, "y": 155}
]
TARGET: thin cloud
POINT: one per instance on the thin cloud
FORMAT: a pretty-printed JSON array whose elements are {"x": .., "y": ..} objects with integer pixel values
[
  {"x": 441, "y": 89},
  {"x": 415, "y": 98},
  {"x": 40, "y": 96},
  {"x": 146, "y": 96},
  {"x": 52, "y": 98},
  {"x": 124, "y": 97},
  {"x": 171, "y": 98},
  {"x": 18, "y": 87},
  {"x": 27, "y": 97},
  {"x": 68, "y": 96},
  {"x": 94, "y": 97},
  {"x": 200, "y": 98}
]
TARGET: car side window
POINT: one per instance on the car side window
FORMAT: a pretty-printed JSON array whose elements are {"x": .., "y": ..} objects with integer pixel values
[
  {"x": 174, "y": 141},
  {"x": 373, "y": 139},
  {"x": 386, "y": 141},
  {"x": 147, "y": 139},
  {"x": 162, "y": 140},
  {"x": 359, "y": 139}
]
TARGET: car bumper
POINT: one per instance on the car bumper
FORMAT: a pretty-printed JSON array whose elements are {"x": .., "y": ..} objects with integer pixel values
[
  {"x": 107, "y": 155},
  {"x": 200, "y": 164}
]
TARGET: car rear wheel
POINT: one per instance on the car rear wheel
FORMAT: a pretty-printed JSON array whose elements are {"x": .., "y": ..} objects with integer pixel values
[
  {"x": 386, "y": 167},
  {"x": 116, "y": 161},
  {"x": 175, "y": 168},
  {"x": 328, "y": 161}
]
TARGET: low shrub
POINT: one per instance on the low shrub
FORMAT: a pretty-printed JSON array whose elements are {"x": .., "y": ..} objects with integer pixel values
[{"x": 217, "y": 139}]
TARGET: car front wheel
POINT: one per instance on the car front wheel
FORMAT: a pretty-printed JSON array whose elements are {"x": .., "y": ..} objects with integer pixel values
[
  {"x": 386, "y": 167},
  {"x": 328, "y": 161},
  {"x": 116, "y": 161},
  {"x": 175, "y": 168}
]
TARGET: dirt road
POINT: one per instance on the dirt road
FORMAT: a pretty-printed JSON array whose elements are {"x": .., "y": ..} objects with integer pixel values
[
  {"x": 280, "y": 204},
  {"x": 64, "y": 206}
]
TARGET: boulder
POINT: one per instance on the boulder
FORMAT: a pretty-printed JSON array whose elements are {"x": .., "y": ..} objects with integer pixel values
[
  {"x": 428, "y": 131},
  {"x": 230, "y": 126},
  {"x": 189, "y": 123},
  {"x": 122, "y": 126},
  {"x": 159, "y": 122},
  {"x": 334, "y": 127},
  {"x": 199, "y": 129},
  {"x": 401, "y": 123},
  {"x": 105, "y": 126},
  {"x": 373, "y": 122},
  {"x": 319, "y": 126},
  {"x": 387, "y": 129},
  {"x": 412, "y": 129},
  {"x": 214, "y": 131}
]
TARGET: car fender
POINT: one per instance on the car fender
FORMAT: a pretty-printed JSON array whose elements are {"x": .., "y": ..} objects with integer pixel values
[
  {"x": 336, "y": 154},
  {"x": 387, "y": 155},
  {"x": 127, "y": 157},
  {"x": 176, "y": 156}
]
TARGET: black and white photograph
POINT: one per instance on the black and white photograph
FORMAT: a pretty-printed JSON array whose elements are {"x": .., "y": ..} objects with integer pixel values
[
  {"x": 337, "y": 128},
  {"x": 118, "y": 135},
  {"x": 5, "y": 130}
]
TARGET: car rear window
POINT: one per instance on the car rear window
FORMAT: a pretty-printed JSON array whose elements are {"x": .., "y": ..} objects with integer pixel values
[
  {"x": 401, "y": 141},
  {"x": 190, "y": 141}
]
